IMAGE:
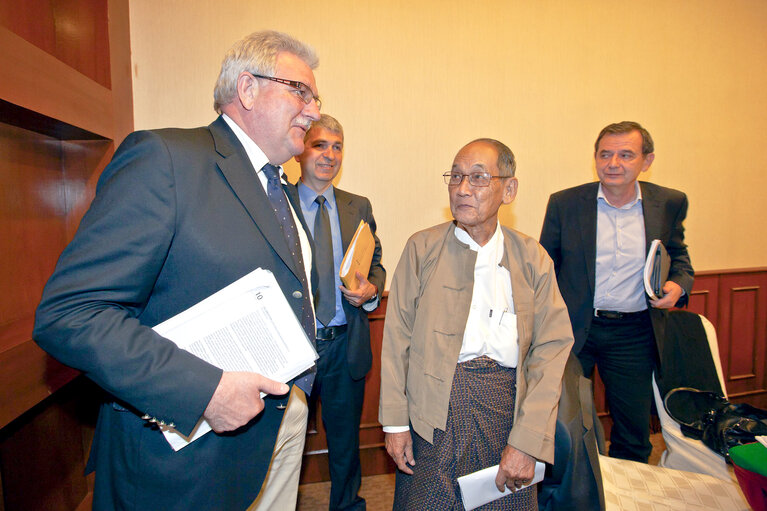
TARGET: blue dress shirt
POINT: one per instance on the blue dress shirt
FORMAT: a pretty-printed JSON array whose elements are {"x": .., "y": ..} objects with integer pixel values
[{"x": 310, "y": 208}]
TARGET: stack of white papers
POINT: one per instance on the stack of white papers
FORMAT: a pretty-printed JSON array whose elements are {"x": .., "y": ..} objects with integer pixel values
[{"x": 236, "y": 329}]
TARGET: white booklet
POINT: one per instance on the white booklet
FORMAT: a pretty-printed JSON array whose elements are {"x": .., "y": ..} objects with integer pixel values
[
  {"x": 246, "y": 326},
  {"x": 478, "y": 488}
]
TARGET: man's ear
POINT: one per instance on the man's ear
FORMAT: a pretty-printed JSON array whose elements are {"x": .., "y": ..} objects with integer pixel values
[
  {"x": 510, "y": 190},
  {"x": 648, "y": 161},
  {"x": 247, "y": 90}
]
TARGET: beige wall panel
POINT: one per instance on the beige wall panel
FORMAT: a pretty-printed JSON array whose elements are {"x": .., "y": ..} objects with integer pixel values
[{"x": 413, "y": 81}]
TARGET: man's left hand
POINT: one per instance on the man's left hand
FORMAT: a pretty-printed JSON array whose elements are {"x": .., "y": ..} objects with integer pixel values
[
  {"x": 671, "y": 294},
  {"x": 516, "y": 469},
  {"x": 365, "y": 291}
]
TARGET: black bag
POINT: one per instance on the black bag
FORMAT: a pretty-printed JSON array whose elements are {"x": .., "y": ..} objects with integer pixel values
[{"x": 709, "y": 417}]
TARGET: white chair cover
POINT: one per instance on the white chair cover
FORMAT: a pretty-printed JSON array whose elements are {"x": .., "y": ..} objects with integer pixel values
[{"x": 683, "y": 453}]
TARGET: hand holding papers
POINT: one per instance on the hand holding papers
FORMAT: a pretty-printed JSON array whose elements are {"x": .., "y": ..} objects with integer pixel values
[
  {"x": 656, "y": 270},
  {"x": 247, "y": 326},
  {"x": 478, "y": 488},
  {"x": 358, "y": 256}
]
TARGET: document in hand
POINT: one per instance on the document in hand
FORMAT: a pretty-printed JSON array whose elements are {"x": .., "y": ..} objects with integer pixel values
[
  {"x": 656, "y": 270},
  {"x": 358, "y": 256},
  {"x": 246, "y": 326},
  {"x": 478, "y": 488}
]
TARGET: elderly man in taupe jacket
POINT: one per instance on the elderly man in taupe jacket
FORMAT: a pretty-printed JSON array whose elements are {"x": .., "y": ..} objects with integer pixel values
[{"x": 475, "y": 343}]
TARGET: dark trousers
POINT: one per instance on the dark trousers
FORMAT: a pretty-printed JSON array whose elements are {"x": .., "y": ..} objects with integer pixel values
[
  {"x": 625, "y": 353},
  {"x": 341, "y": 399}
]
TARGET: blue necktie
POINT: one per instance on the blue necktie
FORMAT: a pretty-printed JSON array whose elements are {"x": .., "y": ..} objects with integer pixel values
[{"x": 280, "y": 204}]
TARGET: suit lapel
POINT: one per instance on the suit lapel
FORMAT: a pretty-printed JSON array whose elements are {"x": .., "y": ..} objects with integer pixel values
[
  {"x": 587, "y": 219},
  {"x": 651, "y": 210},
  {"x": 346, "y": 217},
  {"x": 241, "y": 176}
]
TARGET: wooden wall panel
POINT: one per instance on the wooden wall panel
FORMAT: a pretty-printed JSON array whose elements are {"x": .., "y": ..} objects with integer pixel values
[
  {"x": 73, "y": 31},
  {"x": 32, "y": 79},
  {"x": 372, "y": 452},
  {"x": 43, "y": 474},
  {"x": 704, "y": 298},
  {"x": 742, "y": 335},
  {"x": 46, "y": 186},
  {"x": 59, "y": 119},
  {"x": 31, "y": 210}
]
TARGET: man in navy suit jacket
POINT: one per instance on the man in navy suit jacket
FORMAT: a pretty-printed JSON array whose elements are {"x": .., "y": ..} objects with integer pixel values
[
  {"x": 343, "y": 340},
  {"x": 178, "y": 215},
  {"x": 598, "y": 235}
]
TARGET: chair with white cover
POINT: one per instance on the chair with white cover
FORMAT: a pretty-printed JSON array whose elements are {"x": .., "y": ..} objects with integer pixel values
[{"x": 684, "y": 453}]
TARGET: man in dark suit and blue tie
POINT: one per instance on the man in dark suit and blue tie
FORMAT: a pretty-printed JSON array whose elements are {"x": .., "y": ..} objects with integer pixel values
[
  {"x": 598, "y": 235},
  {"x": 178, "y": 215},
  {"x": 343, "y": 334}
]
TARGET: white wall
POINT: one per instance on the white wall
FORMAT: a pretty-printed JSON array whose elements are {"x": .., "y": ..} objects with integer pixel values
[{"x": 413, "y": 81}]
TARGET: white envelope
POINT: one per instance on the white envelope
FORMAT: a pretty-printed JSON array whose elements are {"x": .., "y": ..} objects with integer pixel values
[{"x": 478, "y": 488}]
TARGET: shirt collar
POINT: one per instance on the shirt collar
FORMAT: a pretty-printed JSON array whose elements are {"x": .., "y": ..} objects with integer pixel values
[
  {"x": 307, "y": 196},
  {"x": 256, "y": 156},
  {"x": 601, "y": 195},
  {"x": 464, "y": 237}
]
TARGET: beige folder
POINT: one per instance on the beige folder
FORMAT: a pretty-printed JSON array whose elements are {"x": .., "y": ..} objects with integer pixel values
[{"x": 358, "y": 256}]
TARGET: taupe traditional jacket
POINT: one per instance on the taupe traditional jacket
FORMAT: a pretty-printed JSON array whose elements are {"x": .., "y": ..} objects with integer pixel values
[{"x": 426, "y": 316}]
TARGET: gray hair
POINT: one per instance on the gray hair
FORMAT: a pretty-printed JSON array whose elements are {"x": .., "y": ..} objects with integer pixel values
[
  {"x": 256, "y": 53},
  {"x": 329, "y": 123},
  {"x": 507, "y": 165},
  {"x": 619, "y": 128}
]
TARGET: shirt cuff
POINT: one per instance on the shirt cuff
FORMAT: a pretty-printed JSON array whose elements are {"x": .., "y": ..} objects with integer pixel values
[
  {"x": 371, "y": 304},
  {"x": 395, "y": 429}
]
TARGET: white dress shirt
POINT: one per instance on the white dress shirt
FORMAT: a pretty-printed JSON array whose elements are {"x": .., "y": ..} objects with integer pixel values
[
  {"x": 491, "y": 328},
  {"x": 258, "y": 159}
]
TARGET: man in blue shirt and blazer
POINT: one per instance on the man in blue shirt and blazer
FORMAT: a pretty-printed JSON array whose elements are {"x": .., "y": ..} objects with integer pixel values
[
  {"x": 598, "y": 235},
  {"x": 343, "y": 332}
]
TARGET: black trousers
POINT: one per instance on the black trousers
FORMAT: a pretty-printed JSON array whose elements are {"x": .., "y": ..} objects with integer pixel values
[
  {"x": 624, "y": 350},
  {"x": 341, "y": 399}
]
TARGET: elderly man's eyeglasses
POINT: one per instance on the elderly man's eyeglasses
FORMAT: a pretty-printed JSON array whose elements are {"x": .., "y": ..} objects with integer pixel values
[
  {"x": 303, "y": 90},
  {"x": 478, "y": 179}
]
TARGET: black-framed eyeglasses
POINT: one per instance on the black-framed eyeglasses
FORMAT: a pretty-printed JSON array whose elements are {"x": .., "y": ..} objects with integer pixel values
[
  {"x": 303, "y": 90},
  {"x": 478, "y": 179}
]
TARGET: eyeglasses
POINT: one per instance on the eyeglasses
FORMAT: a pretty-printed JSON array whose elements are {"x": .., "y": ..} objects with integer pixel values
[
  {"x": 303, "y": 90},
  {"x": 478, "y": 179}
]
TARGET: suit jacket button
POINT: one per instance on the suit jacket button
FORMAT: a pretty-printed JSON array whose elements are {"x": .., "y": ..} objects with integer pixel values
[{"x": 297, "y": 294}]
